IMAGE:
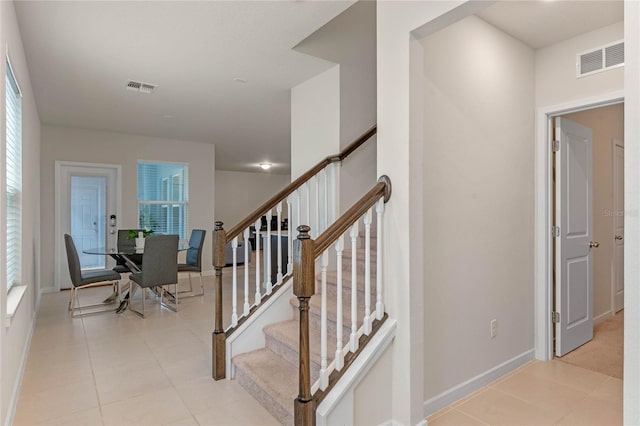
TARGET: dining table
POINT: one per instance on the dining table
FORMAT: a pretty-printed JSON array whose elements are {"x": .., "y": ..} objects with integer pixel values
[{"x": 123, "y": 255}]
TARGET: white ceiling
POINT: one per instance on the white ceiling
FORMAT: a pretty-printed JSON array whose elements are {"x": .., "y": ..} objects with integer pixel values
[
  {"x": 543, "y": 23},
  {"x": 82, "y": 53}
]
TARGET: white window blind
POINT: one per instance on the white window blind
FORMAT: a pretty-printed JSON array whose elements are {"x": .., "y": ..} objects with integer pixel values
[
  {"x": 13, "y": 128},
  {"x": 163, "y": 198}
]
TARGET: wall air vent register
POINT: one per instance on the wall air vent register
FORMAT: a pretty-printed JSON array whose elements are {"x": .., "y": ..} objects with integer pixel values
[
  {"x": 601, "y": 59},
  {"x": 138, "y": 86}
]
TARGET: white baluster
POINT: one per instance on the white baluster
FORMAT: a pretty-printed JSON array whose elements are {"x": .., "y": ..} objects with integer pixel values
[
  {"x": 308, "y": 204},
  {"x": 234, "y": 288},
  {"x": 336, "y": 191},
  {"x": 279, "y": 272},
  {"x": 247, "y": 307},
  {"x": 289, "y": 239},
  {"x": 257, "y": 225},
  {"x": 324, "y": 374},
  {"x": 379, "y": 304},
  {"x": 353, "y": 339},
  {"x": 367, "y": 272},
  {"x": 316, "y": 216},
  {"x": 298, "y": 210},
  {"x": 267, "y": 261},
  {"x": 339, "y": 357},
  {"x": 325, "y": 199}
]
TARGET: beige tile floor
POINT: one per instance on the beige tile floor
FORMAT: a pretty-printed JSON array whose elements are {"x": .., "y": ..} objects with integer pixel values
[
  {"x": 110, "y": 369},
  {"x": 540, "y": 393}
]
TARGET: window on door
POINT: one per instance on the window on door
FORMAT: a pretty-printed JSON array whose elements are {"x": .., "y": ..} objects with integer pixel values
[
  {"x": 163, "y": 198},
  {"x": 13, "y": 123}
]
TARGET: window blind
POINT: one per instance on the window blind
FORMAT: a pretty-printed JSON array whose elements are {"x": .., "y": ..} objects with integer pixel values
[
  {"x": 14, "y": 177},
  {"x": 163, "y": 194}
]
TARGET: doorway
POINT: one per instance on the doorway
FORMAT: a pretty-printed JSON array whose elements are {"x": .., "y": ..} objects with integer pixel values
[
  {"x": 595, "y": 209},
  {"x": 87, "y": 208}
]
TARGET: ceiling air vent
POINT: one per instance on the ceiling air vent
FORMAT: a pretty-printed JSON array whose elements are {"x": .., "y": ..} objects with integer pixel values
[
  {"x": 601, "y": 59},
  {"x": 138, "y": 86}
]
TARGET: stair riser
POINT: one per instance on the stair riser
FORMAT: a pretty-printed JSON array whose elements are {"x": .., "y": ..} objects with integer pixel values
[
  {"x": 282, "y": 414},
  {"x": 332, "y": 288},
  {"x": 290, "y": 354},
  {"x": 315, "y": 323}
]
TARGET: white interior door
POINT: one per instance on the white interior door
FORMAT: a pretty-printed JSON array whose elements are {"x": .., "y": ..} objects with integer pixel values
[
  {"x": 87, "y": 195},
  {"x": 618, "y": 226},
  {"x": 573, "y": 255}
]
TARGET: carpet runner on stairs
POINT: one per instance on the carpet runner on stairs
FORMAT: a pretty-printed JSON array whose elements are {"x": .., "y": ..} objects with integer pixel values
[{"x": 270, "y": 374}]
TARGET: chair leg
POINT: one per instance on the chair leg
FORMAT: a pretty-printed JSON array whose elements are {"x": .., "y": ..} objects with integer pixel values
[
  {"x": 140, "y": 314},
  {"x": 172, "y": 306},
  {"x": 74, "y": 302},
  {"x": 190, "y": 292}
]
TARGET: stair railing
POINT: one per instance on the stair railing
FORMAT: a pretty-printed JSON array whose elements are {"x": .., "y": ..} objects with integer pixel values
[
  {"x": 311, "y": 199},
  {"x": 363, "y": 325}
]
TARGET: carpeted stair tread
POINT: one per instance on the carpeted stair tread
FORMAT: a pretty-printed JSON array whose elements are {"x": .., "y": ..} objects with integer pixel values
[
  {"x": 332, "y": 283},
  {"x": 287, "y": 333},
  {"x": 271, "y": 379}
]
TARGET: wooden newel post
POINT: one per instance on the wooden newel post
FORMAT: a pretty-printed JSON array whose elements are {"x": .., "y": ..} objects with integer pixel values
[
  {"x": 303, "y": 288},
  {"x": 218, "y": 337}
]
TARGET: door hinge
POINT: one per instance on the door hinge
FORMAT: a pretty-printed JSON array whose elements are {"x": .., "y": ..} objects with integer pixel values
[
  {"x": 555, "y": 231},
  {"x": 556, "y": 146},
  {"x": 555, "y": 317}
]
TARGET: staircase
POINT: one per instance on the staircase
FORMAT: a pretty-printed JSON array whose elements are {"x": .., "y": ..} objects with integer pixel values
[{"x": 270, "y": 374}]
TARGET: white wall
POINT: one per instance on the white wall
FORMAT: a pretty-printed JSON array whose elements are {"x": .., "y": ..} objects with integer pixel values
[
  {"x": 315, "y": 120},
  {"x": 607, "y": 123},
  {"x": 70, "y": 144},
  {"x": 398, "y": 138},
  {"x": 478, "y": 201},
  {"x": 556, "y": 80},
  {"x": 632, "y": 215},
  {"x": 240, "y": 193},
  {"x": 350, "y": 40},
  {"x": 15, "y": 337}
]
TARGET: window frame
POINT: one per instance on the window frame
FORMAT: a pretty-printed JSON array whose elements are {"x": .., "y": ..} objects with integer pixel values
[
  {"x": 166, "y": 187},
  {"x": 15, "y": 191}
]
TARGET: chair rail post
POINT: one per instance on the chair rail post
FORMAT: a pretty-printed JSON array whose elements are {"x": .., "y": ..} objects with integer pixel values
[
  {"x": 219, "y": 336},
  {"x": 303, "y": 288}
]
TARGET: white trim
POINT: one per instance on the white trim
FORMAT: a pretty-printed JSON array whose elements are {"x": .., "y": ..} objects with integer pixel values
[
  {"x": 452, "y": 395},
  {"x": 249, "y": 336},
  {"x": 542, "y": 251},
  {"x": 23, "y": 363},
  {"x": 58, "y": 207},
  {"x": 614, "y": 142},
  {"x": 602, "y": 318},
  {"x": 14, "y": 297},
  {"x": 343, "y": 390}
]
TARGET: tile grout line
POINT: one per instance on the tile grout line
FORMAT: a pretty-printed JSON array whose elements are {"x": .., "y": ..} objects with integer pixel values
[{"x": 93, "y": 373}]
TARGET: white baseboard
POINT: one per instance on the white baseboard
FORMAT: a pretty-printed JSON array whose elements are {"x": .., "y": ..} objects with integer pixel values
[
  {"x": 602, "y": 317},
  {"x": 23, "y": 363},
  {"x": 463, "y": 389}
]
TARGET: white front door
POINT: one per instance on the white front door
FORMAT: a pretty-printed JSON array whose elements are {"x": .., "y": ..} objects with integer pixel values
[
  {"x": 618, "y": 226},
  {"x": 573, "y": 251},
  {"x": 86, "y": 198}
]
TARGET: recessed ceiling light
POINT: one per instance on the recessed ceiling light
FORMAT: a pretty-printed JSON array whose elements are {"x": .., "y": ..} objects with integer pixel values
[
  {"x": 240, "y": 80},
  {"x": 265, "y": 166}
]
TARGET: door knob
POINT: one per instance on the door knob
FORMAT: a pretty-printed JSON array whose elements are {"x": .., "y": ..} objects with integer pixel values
[
  {"x": 618, "y": 237},
  {"x": 594, "y": 244}
]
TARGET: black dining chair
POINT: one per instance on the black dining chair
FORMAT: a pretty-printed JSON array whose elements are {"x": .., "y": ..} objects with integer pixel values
[
  {"x": 82, "y": 280},
  {"x": 193, "y": 261},
  {"x": 159, "y": 268}
]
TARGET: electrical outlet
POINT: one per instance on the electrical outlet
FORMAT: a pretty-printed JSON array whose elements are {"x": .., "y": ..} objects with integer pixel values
[{"x": 494, "y": 328}]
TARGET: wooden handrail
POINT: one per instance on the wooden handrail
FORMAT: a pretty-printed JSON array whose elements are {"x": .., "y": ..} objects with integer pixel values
[
  {"x": 289, "y": 189},
  {"x": 340, "y": 226}
]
